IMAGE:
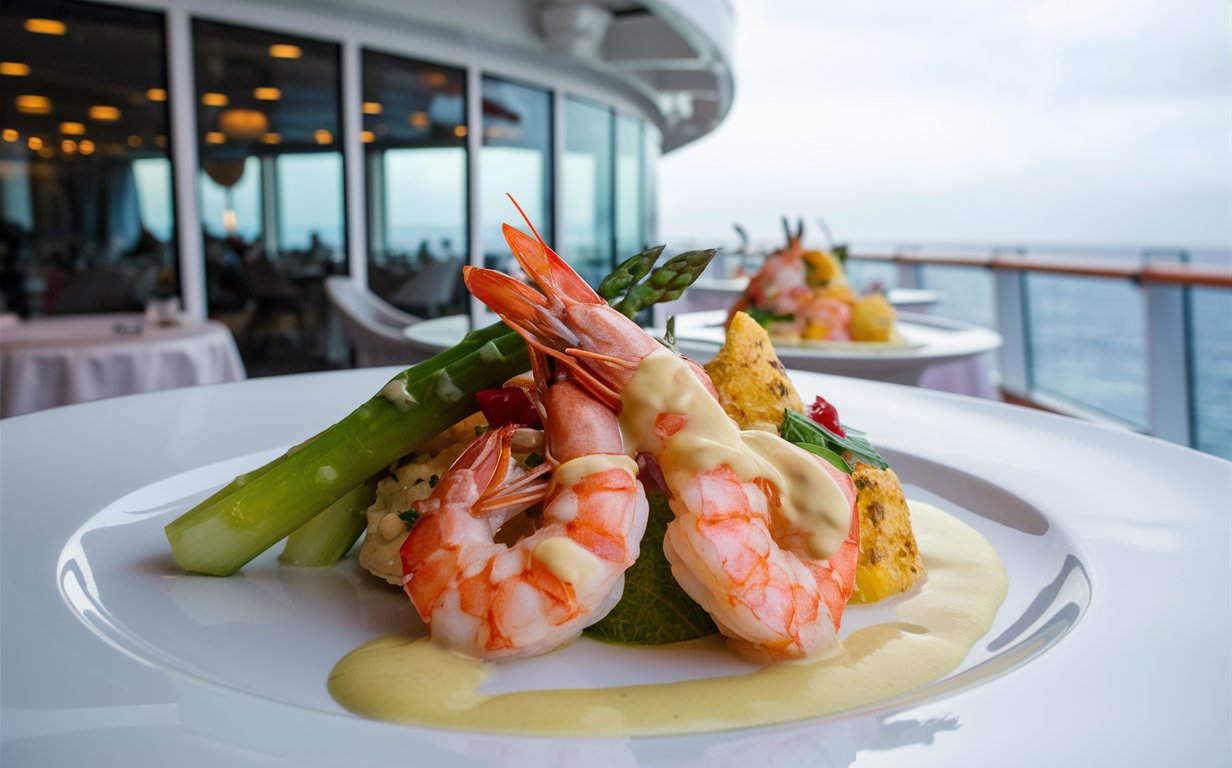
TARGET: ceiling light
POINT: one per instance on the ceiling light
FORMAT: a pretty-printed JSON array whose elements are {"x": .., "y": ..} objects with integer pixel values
[
  {"x": 267, "y": 94},
  {"x": 34, "y": 105},
  {"x": 367, "y": 137},
  {"x": 46, "y": 153},
  {"x": 86, "y": 147},
  {"x": 419, "y": 119},
  {"x": 459, "y": 131},
  {"x": 435, "y": 79},
  {"x": 160, "y": 141},
  {"x": 68, "y": 146},
  {"x": 373, "y": 108},
  {"x": 156, "y": 94},
  {"x": 10, "y": 134},
  {"x": 271, "y": 138},
  {"x": 215, "y": 137},
  {"x": 104, "y": 114},
  {"x": 285, "y": 51},
  {"x": 46, "y": 26},
  {"x": 214, "y": 99},
  {"x": 14, "y": 68},
  {"x": 243, "y": 124},
  {"x": 323, "y": 136},
  {"x": 72, "y": 129},
  {"x": 35, "y": 143},
  {"x": 134, "y": 141}
]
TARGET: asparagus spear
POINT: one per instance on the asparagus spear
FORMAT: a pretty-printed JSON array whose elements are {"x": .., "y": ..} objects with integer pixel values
[
  {"x": 329, "y": 535},
  {"x": 257, "y": 509}
]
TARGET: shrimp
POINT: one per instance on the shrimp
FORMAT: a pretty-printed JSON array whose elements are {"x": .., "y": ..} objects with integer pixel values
[
  {"x": 765, "y": 535},
  {"x": 493, "y": 601},
  {"x": 777, "y": 285}
]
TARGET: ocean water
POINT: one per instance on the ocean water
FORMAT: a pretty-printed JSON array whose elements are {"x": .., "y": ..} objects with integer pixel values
[{"x": 1086, "y": 336}]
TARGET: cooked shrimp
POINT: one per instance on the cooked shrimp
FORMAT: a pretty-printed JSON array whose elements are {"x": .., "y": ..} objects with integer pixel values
[
  {"x": 765, "y": 534},
  {"x": 494, "y": 601}
]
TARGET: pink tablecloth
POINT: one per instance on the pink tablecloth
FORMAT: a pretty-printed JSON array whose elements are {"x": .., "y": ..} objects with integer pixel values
[{"x": 73, "y": 359}]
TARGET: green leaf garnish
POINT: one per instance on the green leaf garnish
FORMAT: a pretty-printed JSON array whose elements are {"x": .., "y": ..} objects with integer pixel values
[
  {"x": 654, "y": 609},
  {"x": 797, "y": 428},
  {"x": 765, "y": 317},
  {"x": 838, "y": 461}
]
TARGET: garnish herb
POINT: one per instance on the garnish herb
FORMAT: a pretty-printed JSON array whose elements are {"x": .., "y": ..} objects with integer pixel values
[{"x": 797, "y": 428}]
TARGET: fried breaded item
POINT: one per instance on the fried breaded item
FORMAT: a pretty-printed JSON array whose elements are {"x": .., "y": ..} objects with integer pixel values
[
  {"x": 872, "y": 319},
  {"x": 753, "y": 385},
  {"x": 889, "y": 558}
]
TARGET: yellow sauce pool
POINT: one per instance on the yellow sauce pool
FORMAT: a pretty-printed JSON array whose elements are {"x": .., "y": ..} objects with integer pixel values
[{"x": 414, "y": 681}]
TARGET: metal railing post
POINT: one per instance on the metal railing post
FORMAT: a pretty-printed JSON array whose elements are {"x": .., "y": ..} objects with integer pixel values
[
  {"x": 1010, "y": 305},
  {"x": 1168, "y": 363}
]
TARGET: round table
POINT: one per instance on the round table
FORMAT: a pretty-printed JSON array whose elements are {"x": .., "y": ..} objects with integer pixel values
[
  {"x": 53, "y": 361},
  {"x": 930, "y": 341},
  {"x": 721, "y": 293},
  {"x": 441, "y": 333}
]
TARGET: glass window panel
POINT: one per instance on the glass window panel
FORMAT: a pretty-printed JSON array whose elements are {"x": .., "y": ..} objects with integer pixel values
[
  {"x": 271, "y": 179},
  {"x": 85, "y": 190},
  {"x": 587, "y": 179},
  {"x": 1211, "y": 353},
  {"x": 517, "y": 160},
  {"x": 630, "y": 215},
  {"x": 965, "y": 293},
  {"x": 416, "y": 160},
  {"x": 1086, "y": 343}
]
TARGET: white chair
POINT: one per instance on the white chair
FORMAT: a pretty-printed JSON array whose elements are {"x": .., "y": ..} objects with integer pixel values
[
  {"x": 372, "y": 328},
  {"x": 431, "y": 288}
]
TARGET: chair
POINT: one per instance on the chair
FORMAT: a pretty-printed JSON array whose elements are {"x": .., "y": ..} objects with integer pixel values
[
  {"x": 432, "y": 287},
  {"x": 371, "y": 327}
]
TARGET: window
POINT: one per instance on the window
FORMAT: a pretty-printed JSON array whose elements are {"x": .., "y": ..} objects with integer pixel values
[
  {"x": 415, "y": 159},
  {"x": 271, "y": 186},
  {"x": 516, "y": 160},
  {"x": 85, "y": 178},
  {"x": 587, "y": 180},
  {"x": 630, "y": 215}
]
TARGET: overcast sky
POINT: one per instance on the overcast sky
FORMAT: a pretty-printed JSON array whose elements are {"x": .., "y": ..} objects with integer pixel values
[{"x": 1021, "y": 121}]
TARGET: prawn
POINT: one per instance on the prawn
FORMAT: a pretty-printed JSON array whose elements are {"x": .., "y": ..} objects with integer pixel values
[
  {"x": 495, "y": 601},
  {"x": 765, "y": 535}
]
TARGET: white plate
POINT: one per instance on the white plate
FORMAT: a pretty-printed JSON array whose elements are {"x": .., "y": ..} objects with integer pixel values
[{"x": 1122, "y": 538}]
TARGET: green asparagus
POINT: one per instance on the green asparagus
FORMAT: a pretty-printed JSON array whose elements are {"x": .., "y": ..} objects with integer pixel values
[{"x": 325, "y": 538}]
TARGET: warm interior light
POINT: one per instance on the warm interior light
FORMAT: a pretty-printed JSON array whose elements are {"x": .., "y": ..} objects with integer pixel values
[
  {"x": 434, "y": 79},
  {"x": 459, "y": 131},
  {"x": 373, "y": 108},
  {"x": 86, "y": 147},
  {"x": 46, "y": 153},
  {"x": 35, "y": 143},
  {"x": 367, "y": 137},
  {"x": 14, "y": 68},
  {"x": 68, "y": 146},
  {"x": 215, "y": 137},
  {"x": 228, "y": 221},
  {"x": 323, "y": 136},
  {"x": 160, "y": 141},
  {"x": 285, "y": 51},
  {"x": 243, "y": 124},
  {"x": 46, "y": 26},
  {"x": 267, "y": 94},
  {"x": 419, "y": 119},
  {"x": 72, "y": 129},
  {"x": 134, "y": 141},
  {"x": 104, "y": 113},
  {"x": 156, "y": 94},
  {"x": 271, "y": 138},
  {"x": 10, "y": 134},
  {"x": 214, "y": 99},
  {"x": 34, "y": 105}
]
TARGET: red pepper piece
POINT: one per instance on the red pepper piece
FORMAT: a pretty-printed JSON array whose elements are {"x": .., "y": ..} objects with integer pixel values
[
  {"x": 826, "y": 415},
  {"x": 508, "y": 405}
]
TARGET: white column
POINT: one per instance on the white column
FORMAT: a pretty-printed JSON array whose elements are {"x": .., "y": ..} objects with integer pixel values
[
  {"x": 353, "y": 161},
  {"x": 182, "y": 111},
  {"x": 474, "y": 146}
]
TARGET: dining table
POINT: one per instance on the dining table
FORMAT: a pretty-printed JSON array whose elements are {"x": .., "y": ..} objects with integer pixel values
[
  {"x": 62, "y": 360},
  {"x": 112, "y": 653},
  {"x": 936, "y": 353}
]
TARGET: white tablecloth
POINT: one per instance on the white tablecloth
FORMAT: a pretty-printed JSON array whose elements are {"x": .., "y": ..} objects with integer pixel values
[{"x": 73, "y": 359}]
